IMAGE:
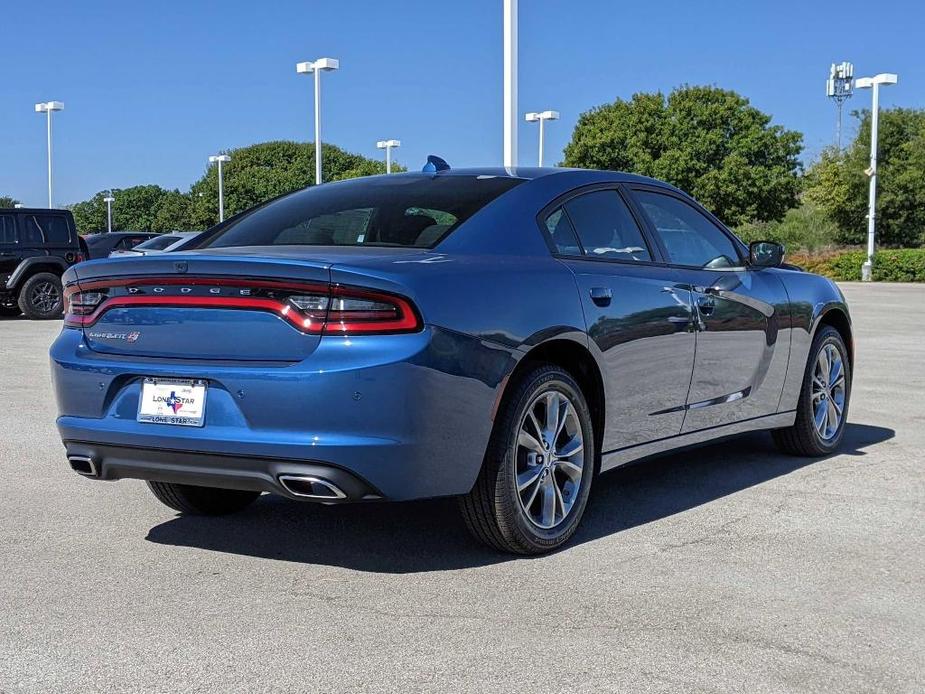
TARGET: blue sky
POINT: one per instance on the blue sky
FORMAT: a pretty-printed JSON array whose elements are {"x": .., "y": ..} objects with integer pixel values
[{"x": 151, "y": 89}]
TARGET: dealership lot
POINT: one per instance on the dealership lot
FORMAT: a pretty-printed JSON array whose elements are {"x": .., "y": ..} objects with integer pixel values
[{"x": 726, "y": 568}]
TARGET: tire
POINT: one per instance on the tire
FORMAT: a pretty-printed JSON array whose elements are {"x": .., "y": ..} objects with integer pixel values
[
  {"x": 509, "y": 520},
  {"x": 9, "y": 311},
  {"x": 201, "y": 501},
  {"x": 41, "y": 297},
  {"x": 805, "y": 437}
]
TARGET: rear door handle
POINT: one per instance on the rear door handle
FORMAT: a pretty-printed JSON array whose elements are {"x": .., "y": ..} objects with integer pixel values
[{"x": 601, "y": 295}]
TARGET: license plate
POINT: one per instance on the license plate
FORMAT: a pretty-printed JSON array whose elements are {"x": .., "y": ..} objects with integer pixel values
[{"x": 172, "y": 401}]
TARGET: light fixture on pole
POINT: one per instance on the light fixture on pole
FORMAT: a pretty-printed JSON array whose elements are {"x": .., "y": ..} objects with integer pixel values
[
  {"x": 47, "y": 108},
  {"x": 220, "y": 159},
  {"x": 387, "y": 145},
  {"x": 541, "y": 118},
  {"x": 510, "y": 83},
  {"x": 316, "y": 67},
  {"x": 109, "y": 200},
  {"x": 838, "y": 88},
  {"x": 873, "y": 83}
]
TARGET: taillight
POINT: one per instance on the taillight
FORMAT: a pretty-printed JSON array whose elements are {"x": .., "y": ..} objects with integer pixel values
[{"x": 311, "y": 308}]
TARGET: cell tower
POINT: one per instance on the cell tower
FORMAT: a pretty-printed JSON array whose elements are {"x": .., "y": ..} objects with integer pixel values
[{"x": 838, "y": 87}]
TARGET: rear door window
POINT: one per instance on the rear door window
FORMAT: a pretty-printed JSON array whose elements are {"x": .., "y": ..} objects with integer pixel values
[
  {"x": 605, "y": 227},
  {"x": 51, "y": 229}
]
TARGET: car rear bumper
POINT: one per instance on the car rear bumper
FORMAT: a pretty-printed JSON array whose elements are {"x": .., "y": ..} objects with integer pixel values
[{"x": 395, "y": 417}]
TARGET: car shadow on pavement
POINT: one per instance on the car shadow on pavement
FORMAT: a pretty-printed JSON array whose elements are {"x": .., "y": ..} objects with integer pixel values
[{"x": 429, "y": 535}]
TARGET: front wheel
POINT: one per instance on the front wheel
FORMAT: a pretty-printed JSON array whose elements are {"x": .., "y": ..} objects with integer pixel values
[
  {"x": 823, "y": 406},
  {"x": 536, "y": 477},
  {"x": 201, "y": 501}
]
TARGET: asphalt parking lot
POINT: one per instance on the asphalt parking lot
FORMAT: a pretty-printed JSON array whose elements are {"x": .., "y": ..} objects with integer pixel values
[{"x": 726, "y": 568}]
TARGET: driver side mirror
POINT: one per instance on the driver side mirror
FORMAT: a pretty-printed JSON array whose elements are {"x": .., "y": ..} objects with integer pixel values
[{"x": 765, "y": 254}]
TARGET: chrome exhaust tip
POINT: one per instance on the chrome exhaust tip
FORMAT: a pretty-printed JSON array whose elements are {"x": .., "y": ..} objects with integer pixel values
[
  {"x": 309, "y": 487},
  {"x": 83, "y": 465}
]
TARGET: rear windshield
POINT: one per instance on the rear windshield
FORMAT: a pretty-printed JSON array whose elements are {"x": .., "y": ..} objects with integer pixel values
[
  {"x": 414, "y": 211},
  {"x": 158, "y": 243}
]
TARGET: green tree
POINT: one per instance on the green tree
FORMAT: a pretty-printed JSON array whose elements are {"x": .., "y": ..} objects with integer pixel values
[
  {"x": 139, "y": 208},
  {"x": 7, "y": 201},
  {"x": 709, "y": 142},
  {"x": 838, "y": 182},
  {"x": 266, "y": 170}
]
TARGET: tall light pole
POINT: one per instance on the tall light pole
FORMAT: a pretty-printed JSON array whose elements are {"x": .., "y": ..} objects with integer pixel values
[
  {"x": 510, "y": 83},
  {"x": 874, "y": 83},
  {"x": 838, "y": 88},
  {"x": 47, "y": 108},
  {"x": 109, "y": 200},
  {"x": 387, "y": 145},
  {"x": 316, "y": 67},
  {"x": 220, "y": 159},
  {"x": 541, "y": 118}
]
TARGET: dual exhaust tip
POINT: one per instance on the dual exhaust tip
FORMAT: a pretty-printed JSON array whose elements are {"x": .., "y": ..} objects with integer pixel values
[{"x": 303, "y": 486}]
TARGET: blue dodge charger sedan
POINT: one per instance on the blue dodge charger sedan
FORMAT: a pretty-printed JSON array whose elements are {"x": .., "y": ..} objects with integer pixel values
[{"x": 502, "y": 336}]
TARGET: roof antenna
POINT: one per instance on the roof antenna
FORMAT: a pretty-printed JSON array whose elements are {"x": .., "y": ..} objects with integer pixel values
[{"x": 435, "y": 164}]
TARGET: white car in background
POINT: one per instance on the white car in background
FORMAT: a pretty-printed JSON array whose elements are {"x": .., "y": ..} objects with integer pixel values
[{"x": 162, "y": 243}]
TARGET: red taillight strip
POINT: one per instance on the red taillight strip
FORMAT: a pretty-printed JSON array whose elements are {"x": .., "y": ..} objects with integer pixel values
[
  {"x": 336, "y": 322},
  {"x": 284, "y": 310}
]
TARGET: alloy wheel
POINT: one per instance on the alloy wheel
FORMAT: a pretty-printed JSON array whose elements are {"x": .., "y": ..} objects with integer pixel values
[
  {"x": 828, "y": 393},
  {"x": 549, "y": 459},
  {"x": 45, "y": 297}
]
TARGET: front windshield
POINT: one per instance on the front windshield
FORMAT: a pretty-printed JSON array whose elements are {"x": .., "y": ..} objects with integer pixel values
[{"x": 411, "y": 211}]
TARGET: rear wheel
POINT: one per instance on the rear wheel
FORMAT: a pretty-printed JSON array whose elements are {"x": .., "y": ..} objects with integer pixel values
[
  {"x": 823, "y": 406},
  {"x": 201, "y": 501},
  {"x": 41, "y": 297},
  {"x": 536, "y": 477}
]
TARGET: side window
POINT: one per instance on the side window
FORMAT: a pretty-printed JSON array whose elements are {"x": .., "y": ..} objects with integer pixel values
[
  {"x": 562, "y": 233},
  {"x": 52, "y": 229},
  {"x": 7, "y": 230},
  {"x": 605, "y": 226},
  {"x": 689, "y": 237}
]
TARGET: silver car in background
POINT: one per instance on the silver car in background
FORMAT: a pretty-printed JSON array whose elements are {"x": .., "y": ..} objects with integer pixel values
[{"x": 162, "y": 243}]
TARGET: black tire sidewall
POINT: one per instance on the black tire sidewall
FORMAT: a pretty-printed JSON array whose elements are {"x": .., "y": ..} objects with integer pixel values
[
  {"x": 25, "y": 297},
  {"x": 534, "y": 537},
  {"x": 827, "y": 336}
]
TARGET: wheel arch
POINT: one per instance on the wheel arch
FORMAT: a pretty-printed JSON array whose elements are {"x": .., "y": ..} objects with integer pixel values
[
  {"x": 579, "y": 362},
  {"x": 32, "y": 266},
  {"x": 837, "y": 318}
]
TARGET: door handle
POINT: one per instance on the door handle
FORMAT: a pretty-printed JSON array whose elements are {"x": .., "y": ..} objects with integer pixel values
[
  {"x": 706, "y": 304},
  {"x": 601, "y": 295}
]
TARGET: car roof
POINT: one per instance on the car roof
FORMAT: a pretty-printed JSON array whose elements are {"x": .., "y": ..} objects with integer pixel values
[{"x": 528, "y": 173}]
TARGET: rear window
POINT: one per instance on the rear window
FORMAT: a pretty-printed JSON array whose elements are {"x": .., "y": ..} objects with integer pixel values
[
  {"x": 158, "y": 243},
  {"x": 413, "y": 211}
]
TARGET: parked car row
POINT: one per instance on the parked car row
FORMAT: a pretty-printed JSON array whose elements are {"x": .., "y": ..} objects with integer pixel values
[{"x": 38, "y": 245}]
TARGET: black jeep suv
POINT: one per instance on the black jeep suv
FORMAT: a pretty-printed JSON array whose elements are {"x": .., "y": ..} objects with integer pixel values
[{"x": 36, "y": 247}]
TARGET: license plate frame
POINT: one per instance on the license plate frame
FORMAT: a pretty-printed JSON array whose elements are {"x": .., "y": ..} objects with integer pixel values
[{"x": 162, "y": 400}]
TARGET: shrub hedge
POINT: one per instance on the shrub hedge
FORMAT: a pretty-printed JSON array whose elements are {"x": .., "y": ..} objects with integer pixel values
[{"x": 891, "y": 265}]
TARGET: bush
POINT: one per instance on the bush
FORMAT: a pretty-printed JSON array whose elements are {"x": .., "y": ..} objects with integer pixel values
[
  {"x": 898, "y": 265},
  {"x": 804, "y": 228}
]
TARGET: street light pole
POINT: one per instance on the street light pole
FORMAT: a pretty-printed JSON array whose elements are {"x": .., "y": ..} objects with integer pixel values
[
  {"x": 387, "y": 145},
  {"x": 510, "y": 83},
  {"x": 109, "y": 200},
  {"x": 317, "y": 67},
  {"x": 47, "y": 108},
  {"x": 220, "y": 159},
  {"x": 873, "y": 83},
  {"x": 541, "y": 118}
]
